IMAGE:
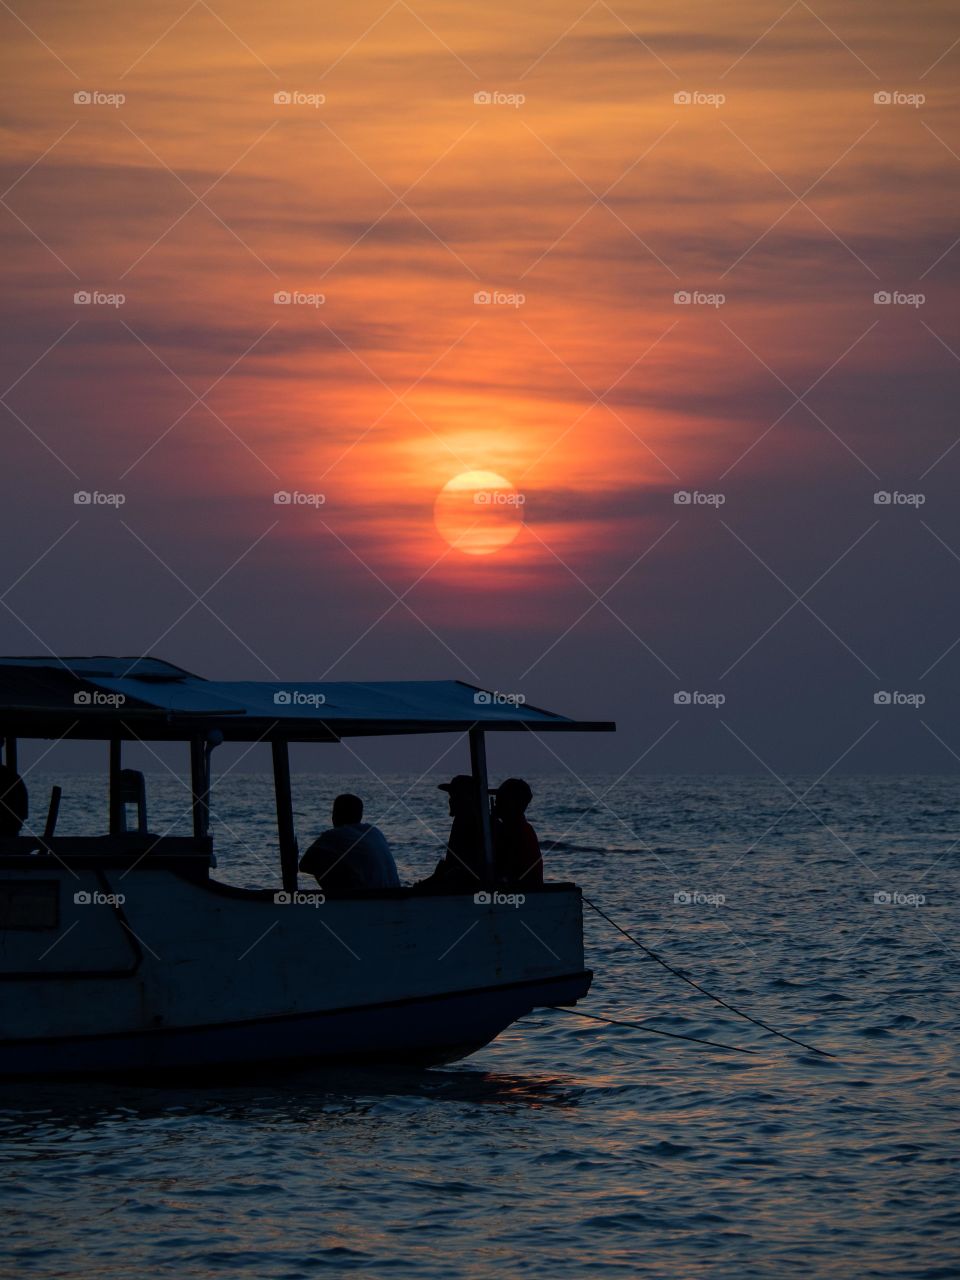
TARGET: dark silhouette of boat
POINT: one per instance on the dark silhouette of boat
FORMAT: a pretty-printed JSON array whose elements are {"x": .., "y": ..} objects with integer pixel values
[{"x": 120, "y": 953}]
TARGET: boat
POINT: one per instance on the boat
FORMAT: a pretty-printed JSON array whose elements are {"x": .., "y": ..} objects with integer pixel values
[{"x": 122, "y": 954}]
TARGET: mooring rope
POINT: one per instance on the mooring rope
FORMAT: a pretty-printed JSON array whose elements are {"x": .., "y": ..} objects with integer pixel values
[
  {"x": 654, "y": 1031},
  {"x": 696, "y": 986}
]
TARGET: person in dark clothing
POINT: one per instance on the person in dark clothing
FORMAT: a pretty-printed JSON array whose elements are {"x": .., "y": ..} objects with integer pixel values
[
  {"x": 14, "y": 801},
  {"x": 516, "y": 849},
  {"x": 461, "y": 867}
]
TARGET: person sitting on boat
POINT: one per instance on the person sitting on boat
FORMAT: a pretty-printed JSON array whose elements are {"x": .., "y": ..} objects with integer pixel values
[
  {"x": 14, "y": 801},
  {"x": 461, "y": 867},
  {"x": 516, "y": 849},
  {"x": 352, "y": 855}
]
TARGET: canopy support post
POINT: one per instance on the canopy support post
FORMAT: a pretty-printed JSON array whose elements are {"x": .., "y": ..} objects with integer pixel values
[
  {"x": 200, "y": 787},
  {"x": 116, "y": 794},
  {"x": 289, "y": 854},
  {"x": 478, "y": 767},
  {"x": 10, "y": 752}
]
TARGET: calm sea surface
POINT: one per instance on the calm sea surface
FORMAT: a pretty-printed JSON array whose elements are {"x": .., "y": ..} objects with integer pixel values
[{"x": 570, "y": 1148}]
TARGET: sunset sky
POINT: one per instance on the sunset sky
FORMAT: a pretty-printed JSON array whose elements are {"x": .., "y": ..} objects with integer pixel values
[{"x": 581, "y": 197}]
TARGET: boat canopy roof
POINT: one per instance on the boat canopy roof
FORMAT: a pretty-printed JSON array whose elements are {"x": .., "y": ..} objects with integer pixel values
[{"x": 129, "y": 698}]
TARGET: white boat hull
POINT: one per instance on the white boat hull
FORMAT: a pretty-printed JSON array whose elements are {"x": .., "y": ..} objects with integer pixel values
[{"x": 146, "y": 970}]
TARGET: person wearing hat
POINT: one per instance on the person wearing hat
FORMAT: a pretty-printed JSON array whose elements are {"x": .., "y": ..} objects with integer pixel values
[
  {"x": 461, "y": 867},
  {"x": 516, "y": 849}
]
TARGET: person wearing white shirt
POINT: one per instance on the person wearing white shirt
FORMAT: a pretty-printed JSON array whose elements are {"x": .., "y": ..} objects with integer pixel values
[{"x": 352, "y": 855}]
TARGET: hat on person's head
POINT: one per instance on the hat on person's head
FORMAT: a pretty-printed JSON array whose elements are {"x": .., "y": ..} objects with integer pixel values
[
  {"x": 461, "y": 782},
  {"x": 515, "y": 789}
]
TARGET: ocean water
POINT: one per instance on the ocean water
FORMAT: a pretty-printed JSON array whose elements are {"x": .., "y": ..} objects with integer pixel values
[{"x": 570, "y": 1148}]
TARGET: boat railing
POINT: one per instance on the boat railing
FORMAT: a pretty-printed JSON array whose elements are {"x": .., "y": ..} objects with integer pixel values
[
  {"x": 402, "y": 893},
  {"x": 189, "y": 853}
]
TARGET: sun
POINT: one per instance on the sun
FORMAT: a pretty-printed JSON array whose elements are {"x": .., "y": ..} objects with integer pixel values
[{"x": 478, "y": 512}]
